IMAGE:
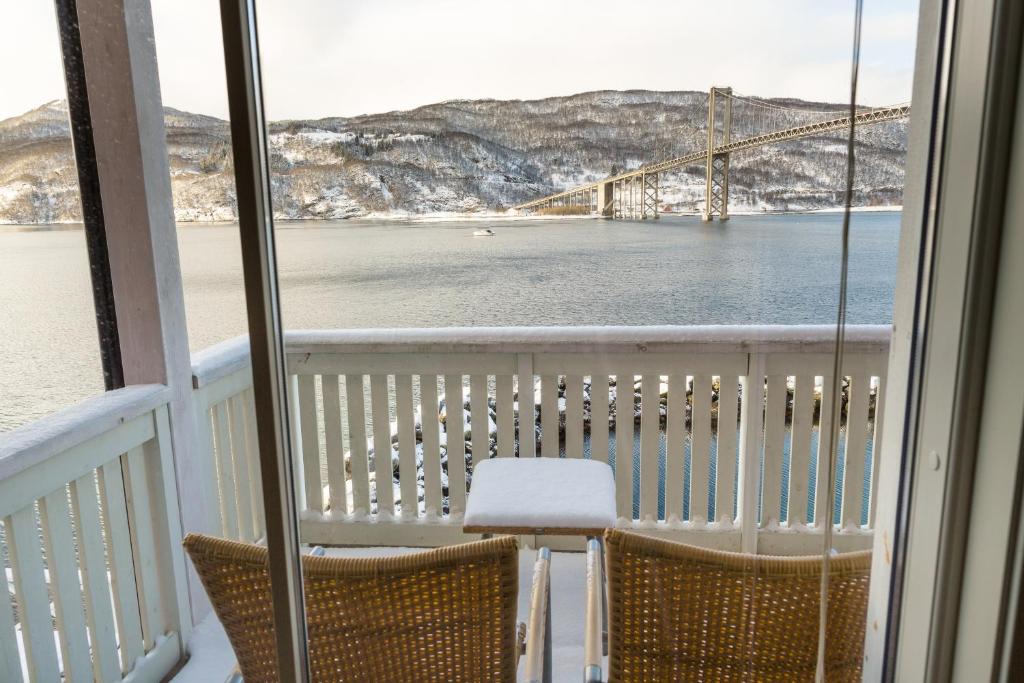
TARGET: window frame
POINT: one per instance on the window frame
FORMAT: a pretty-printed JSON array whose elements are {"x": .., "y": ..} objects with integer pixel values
[{"x": 965, "y": 98}]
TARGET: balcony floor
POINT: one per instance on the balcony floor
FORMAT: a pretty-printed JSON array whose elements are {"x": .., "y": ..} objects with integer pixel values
[{"x": 212, "y": 660}]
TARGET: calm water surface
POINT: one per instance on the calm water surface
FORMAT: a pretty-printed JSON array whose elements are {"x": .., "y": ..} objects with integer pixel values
[{"x": 678, "y": 270}]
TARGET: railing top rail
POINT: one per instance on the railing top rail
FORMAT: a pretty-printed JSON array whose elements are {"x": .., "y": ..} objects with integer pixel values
[
  {"x": 219, "y": 360},
  {"x": 590, "y": 339},
  {"x": 25, "y": 446},
  {"x": 232, "y": 355},
  {"x": 228, "y": 357}
]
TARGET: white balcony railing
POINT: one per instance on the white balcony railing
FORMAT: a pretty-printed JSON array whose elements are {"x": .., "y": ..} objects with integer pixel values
[
  {"x": 91, "y": 540},
  {"x": 714, "y": 423},
  {"x": 356, "y": 394}
]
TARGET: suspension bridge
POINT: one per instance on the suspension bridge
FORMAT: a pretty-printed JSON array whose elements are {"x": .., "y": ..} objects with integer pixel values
[{"x": 635, "y": 194}]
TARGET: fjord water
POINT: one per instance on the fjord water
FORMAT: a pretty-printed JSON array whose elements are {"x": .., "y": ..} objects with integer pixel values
[{"x": 779, "y": 269}]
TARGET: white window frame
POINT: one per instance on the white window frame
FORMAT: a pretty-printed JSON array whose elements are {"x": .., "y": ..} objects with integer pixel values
[{"x": 946, "y": 508}]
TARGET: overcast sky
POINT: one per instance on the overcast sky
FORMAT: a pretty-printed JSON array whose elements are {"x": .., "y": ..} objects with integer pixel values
[{"x": 342, "y": 57}]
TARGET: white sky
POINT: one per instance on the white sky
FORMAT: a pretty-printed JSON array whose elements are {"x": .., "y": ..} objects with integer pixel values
[{"x": 341, "y": 57}]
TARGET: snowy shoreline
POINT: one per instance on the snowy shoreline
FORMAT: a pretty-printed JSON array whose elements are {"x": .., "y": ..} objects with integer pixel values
[{"x": 450, "y": 218}]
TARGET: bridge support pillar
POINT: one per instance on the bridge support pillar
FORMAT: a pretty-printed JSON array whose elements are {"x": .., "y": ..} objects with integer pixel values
[
  {"x": 717, "y": 188},
  {"x": 631, "y": 198},
  {"x": 649, "y": 198},
  {"x": 716, "y": 192},
  {"x": 606, "y": 199},
  {"x": 635, "y": 198}
]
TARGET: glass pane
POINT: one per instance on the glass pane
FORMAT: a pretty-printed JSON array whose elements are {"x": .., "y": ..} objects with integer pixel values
[
  {"x": 486, "y": 253},
  {"x": 49, "y": 354},
  {"x": 545, "y": 271}
]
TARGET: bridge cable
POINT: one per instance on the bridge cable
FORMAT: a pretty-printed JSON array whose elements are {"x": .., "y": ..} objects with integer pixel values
[{"x": 757, "y": 102}]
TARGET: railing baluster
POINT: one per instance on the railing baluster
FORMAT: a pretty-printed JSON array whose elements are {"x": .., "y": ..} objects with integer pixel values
[
  {"x": 574, "y": 416},
  {"x": 700, "y": 448},
  {"x": 800, "y": 448},
  {"x": 624, "y": 444},
  {"x": 59, "y": 542},
  {"x": 226, "y": 472},
  {"x": 856, "y": 444},
  {"x": 504, "y": 399},
  {"x": 99, "y": 615},
  {"x": 140, "y": 475},
  {"x": 10, "y": 658},
  {"x": 821, "y": 515},
  {"x": 253, "y": 455},
  {"x": 383, "y": 471},
  {"x": 479, "y": 418},
  {"x": 295, "y": 437},
  {"x": 675, "y": 447},
  {"x": 599, "y": 417},
  {"x": 750, "y": 449},
  {"x": 169, "y": 609},
  {"x": 406, "y": 446},
  {"x": 26, "y": 557},
  {"x": 358, "y": 458},
  {"x": 210, "y": 481},
  {"x": 725, "y": 460},
  {"x": 431, "y": 445},
  {"x": 774, "y": 436},
  {"x": 549, "y": 416},
  {"x": 122, "y": 569},
  {"x": 236, "y": 408},
  {"x": 527, "y": 406},
  {"x": 456, "y": 443},
  {"x": 650, "y": 388},
  {"x": 333, "y": 446},
  {"x": 310, "y": 446},
  {"x": 876, "y": 447}
]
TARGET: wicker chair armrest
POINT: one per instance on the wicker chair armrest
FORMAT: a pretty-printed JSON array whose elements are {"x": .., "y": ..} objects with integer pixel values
[{"x": 536, "y": 667}]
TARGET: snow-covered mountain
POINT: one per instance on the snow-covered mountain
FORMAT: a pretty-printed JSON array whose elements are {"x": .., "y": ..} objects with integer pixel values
[{"x": 465, "y": 157}]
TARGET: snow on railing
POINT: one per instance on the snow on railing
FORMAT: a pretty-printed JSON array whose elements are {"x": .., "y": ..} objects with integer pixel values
[
  {"x": 91, "y": 543},
  {"x": 685, "y": 469}
]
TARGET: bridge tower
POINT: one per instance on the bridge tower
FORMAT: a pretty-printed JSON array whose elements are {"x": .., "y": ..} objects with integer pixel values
[{"x": 716, "y": 194}]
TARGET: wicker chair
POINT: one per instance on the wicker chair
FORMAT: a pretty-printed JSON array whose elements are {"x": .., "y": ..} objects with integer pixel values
[
  {"x": 683, "y": 613},
  {"x": 441, "y": 615}
]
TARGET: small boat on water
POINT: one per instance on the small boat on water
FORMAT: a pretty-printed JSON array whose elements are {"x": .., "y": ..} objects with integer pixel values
[{"x": 485, "y": 232}]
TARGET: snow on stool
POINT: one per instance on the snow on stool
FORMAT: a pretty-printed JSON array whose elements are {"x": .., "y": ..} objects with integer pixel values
[{"x": 567, "y": 496}]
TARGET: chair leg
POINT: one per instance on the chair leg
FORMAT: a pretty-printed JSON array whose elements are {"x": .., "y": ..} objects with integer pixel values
[
  {"x": 595, "y": 641},
  {"x": 547, "y": 636},
  {"x": 538, "y": 666},
  {"x": 604, "y": 601}
]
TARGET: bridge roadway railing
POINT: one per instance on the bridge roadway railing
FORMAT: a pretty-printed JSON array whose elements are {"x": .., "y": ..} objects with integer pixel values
[{"x": 686, "y": 415}]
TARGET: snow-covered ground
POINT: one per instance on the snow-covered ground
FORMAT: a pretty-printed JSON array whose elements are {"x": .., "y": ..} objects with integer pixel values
[{"x": 212, "y": 659}]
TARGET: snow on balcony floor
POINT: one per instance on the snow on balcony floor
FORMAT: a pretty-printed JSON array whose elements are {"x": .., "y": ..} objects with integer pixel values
[{"x": 212, "y": 659}]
